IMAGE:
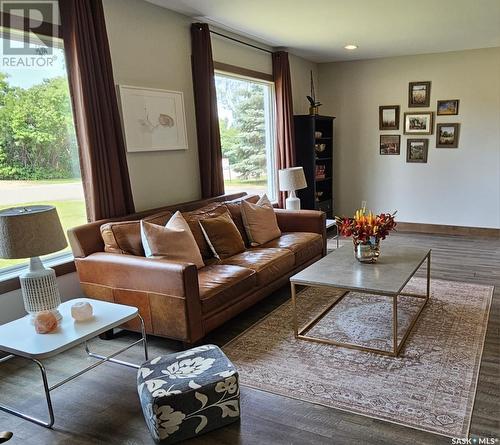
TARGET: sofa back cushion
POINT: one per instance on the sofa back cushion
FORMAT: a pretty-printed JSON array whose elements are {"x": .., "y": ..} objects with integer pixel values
[
  {"x": 122, "y": 237},
  {"x": 222, "y": 236},
  {"x": 161, "y": 218}
]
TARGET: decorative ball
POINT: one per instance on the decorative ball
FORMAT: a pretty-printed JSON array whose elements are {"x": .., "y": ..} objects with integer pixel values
[
  {"x": 81, "y": 311},
  {"x": 45, "y": 322}
]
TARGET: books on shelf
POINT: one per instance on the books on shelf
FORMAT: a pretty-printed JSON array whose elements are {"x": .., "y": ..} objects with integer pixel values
[{"x": 320, "y": 171}]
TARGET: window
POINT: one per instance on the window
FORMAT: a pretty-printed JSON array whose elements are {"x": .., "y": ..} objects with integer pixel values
[
  {"x": 246, "y": 120},
  {"x": 38, "y": 149}
]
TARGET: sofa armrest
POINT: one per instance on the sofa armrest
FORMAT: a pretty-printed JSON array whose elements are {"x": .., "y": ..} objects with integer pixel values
[
  {"x": 138, "y": 273},
  {"x": 165, "y": 292},
  {"x": 312, "y": 221}
]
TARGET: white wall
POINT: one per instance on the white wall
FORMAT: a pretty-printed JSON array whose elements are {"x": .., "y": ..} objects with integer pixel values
[
  {"x": 457, "y": 186},
  {"x": 151, "y": 47},
  {"x": 11, "y": 303}
]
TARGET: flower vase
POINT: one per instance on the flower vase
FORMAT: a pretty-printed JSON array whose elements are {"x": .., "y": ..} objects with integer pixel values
[{"x": 367, "y": 251}]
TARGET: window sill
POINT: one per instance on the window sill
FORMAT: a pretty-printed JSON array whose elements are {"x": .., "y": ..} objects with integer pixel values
[{"x": 9, "y": 277}]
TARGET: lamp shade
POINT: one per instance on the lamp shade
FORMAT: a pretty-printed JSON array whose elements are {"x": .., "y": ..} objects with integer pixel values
[
  {"x": 291, "y": 179},
  {"x": 30, "y": 231}
]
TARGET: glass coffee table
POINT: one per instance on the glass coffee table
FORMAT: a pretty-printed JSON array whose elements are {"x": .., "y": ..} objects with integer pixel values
[{"x": 388, "y": 277}]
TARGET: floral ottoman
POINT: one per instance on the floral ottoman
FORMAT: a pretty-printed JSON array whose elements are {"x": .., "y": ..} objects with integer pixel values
[{"x": 188, "y": 393}]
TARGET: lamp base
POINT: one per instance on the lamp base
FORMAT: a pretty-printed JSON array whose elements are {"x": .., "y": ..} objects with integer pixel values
[
  {"x": 292, "y": 202},
  {"x": 39, "y": 289}
]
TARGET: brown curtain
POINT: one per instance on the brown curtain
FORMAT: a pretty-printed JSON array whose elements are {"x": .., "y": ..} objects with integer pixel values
[
  {"x": 285, "y": 146},
  {"x": 207, "y": 122},
  {"x": 103, "y": 160}
]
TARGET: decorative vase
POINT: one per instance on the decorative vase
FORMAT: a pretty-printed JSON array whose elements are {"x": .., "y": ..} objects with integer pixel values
[
  {"x": 314, "y": 110},
  {"x": 367, "y": 251}
]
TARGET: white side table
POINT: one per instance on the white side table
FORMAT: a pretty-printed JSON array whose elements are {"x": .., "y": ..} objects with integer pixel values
[{"x": 18, "y": 338}]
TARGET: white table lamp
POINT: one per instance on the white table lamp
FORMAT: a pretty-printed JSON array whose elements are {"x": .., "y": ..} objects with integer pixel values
[
  {"x": 30, "y": 232},
  {"x": 291, "y": 179}
]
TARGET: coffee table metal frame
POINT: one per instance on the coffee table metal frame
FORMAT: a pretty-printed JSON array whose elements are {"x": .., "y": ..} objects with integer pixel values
[
  {"x": 301, "y": 332},
  {"x": 101, "y": 359}
]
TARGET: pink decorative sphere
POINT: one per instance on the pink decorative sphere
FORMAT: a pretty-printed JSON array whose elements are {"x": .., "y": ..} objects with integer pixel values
[
  {"x": 45, "y": 322},
  {"x": 81, "y": 311}
]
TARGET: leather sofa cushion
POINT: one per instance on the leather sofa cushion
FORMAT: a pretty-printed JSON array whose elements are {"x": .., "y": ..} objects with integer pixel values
[
  {"x": 122, "y": 237},
  {"x": 222, "y": 236},
  {"x": 161, "y": 218},
  {"x": 220, "y": 284},
  {"x": 193, "y": 218},
  {"x": 304, "y": 245},
  {"x": 268, "y": 263}
]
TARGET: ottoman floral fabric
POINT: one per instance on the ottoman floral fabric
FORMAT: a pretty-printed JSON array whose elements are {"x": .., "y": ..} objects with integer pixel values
[{"x": 188, "y": 393}]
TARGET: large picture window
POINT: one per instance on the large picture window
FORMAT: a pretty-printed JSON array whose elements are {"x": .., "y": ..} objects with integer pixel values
[
  {"x": 246, "y": 119},
  {"x": 38, "y": 149}
]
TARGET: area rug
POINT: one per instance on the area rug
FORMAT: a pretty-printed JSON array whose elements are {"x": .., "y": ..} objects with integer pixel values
[{"x": 431, "y": 386}]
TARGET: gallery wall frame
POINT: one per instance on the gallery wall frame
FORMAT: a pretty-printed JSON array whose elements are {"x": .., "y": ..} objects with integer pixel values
[
  {"x": 447, "y": 107},
  {"x": 419, "y": 94},
  {"x": 388, "y": 117},
  {"x": 447, "y": 135},
  {"x": 418, "y": 122},
  {"x": 390, "y": 144},
  {"x": 417, "y": 150}
]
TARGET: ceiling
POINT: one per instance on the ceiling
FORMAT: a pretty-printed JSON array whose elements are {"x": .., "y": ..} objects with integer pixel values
[{"x": 319, "y": 29}]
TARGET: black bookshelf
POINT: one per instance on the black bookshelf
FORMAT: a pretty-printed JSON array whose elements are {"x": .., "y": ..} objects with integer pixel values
[{"x": 318, "y": 165}]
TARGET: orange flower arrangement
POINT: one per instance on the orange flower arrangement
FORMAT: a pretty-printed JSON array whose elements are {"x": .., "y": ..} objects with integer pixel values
[{"x": 364, "y": 227}]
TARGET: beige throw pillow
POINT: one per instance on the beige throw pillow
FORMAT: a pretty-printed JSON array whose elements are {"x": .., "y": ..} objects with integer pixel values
[
  {"x": 173, "y": 242},
  {"x": 260, "y": 221}
]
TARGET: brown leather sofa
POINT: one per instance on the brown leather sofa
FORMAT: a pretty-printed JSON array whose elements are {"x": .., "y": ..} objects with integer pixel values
[{"x": 175, "y": 299}]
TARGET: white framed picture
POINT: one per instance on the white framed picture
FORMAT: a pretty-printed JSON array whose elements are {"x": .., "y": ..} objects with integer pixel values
[{"x": 153, "y": 120}]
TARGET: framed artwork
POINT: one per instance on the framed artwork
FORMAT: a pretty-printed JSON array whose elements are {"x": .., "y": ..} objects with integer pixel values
[
  {"x": 447, "y": 107},
  {"x": 416, "y": 150},
  {"x": 447, "y": 135},
  {"x": 390, "y": 144},
  {"x": 419, "y": 94},
  {"x": 418, "y": 123},
  {"x": 153, "y": 120},
  {"x": 388, "y": 117}
]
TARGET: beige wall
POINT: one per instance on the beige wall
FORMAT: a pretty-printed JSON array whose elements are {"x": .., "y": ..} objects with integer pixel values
[
  {"x": 151, "y": 47},
  {"x": 457, "y": 186}
]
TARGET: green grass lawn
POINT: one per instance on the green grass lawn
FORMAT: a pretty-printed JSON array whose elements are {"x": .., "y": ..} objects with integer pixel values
[
  {"x": 243, "y": 182},
  {"x": 71, "y": 212}
]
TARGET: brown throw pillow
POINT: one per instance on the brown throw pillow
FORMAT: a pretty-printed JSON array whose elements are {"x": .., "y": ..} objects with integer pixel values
[
  {"x": 260, "y": 221},
  {"x": 222, "y": 236},
  {"x": 193, "y": 217},
  {"x": 174, "y": 242}
]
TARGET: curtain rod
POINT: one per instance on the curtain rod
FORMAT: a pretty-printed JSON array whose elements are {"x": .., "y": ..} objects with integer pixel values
[{"x": 240, "y": 41}]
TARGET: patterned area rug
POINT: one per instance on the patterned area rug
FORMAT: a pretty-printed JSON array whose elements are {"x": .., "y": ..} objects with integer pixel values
[{"x": 432, "y": 384}]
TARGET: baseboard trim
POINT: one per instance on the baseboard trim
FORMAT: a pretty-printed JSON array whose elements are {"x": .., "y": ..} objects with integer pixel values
[{"x": 440, "y": 229}]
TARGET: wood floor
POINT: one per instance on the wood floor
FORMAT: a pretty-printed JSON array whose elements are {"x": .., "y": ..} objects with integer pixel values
[{"x": 101, "y": 407}]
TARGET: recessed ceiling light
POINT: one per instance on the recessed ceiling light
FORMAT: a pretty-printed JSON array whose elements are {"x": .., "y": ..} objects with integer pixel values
[{"x": 351, "y": 47}]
